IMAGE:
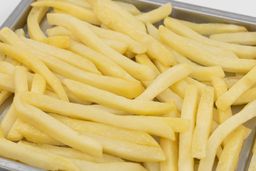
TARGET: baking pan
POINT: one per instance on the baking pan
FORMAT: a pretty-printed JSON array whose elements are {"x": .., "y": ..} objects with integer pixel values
[{"x": 180, "y": 10}]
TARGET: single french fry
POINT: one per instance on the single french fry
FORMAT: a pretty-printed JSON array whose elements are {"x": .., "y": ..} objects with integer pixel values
[
  {"x": 244, "y": 38},
  {"x": 6, "y": 68},
  {"x": 79, "y": 12},
  {"x": 222, "y": 131},
  {"x": 38, "y": 84},
  {"x": 56, "y": 129},
  {"x": 246, "y": 97},
  {"x": 20, "y": 32},
  {"x": 4, "y": 95},
  {"x": 157, "y": 14},
  {"x": 229, "y": 97},
  {"x": 110, "y": 110},
  {"x": 153, "y": 125},
  {"x": 231, "y": 152},
  {"x": 213, "y": 28},
  {"x": 152, "y": 30},
  {"x": 190, "y": 102},
  {"x": 8, "y": 120},
  {"x": 120, "y": 47},
  {"x": 170, "y": 149},
  {"x": 128, "y": 7},
  {"x": 198, "y": 52},
  {"x": 230, "y": 81},
  {"x": 80, "y": 3},
  {"x": 82, "y": 31},
  {"x": 150, "y": 166},
  {"x": 203, "y": 123},
  {"x": 252, "y": 166},
  {"x": 58, "y": 41}
]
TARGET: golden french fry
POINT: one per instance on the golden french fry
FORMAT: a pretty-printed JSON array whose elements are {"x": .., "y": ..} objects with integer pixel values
[
  {"x": 190, "y": 102},
  {"x": 79, "y": 12},
  {"x": 198, "y": 53},
  {"x": 203, "y": 123},
  {"x": 213, "y": 28},
  {"x": 170, "y": 149},
  {"x": 157, "y": 14},
  {"x": 229, "y": 97},
  {"x": 244, "y": 38},
  {"x": 56, "y": 129},
  {"x": 222, "y": 131},
  {"x": 128, "y": 7},
  {"x": 58, "y": 41}
]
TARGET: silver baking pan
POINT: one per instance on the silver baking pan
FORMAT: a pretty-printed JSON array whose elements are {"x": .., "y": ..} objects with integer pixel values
[{"x": 180, "y": 10}]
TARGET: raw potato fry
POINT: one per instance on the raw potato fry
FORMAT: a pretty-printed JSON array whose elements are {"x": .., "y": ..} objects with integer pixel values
[
  {"x": 152, "y": 31},
  {"x": 153, "y": 125},
  {"x": 190, "y": 102},
  {"x": 170, "y": 149},
  {"x": 8, "y": 120},
  {"x": 246, "y": 97},
  {"x": 4, "y": 95},
  {"x": 128, "y": 7},
  {"x": 83, "y": 32},
  {"x": 241, "y": 50},
  {"x": 79, "y": 12},
  {"x": 38, "y": 84},
  {"x": 152, "y": 166},
  {"x": 222, "y": 131},
  {"x": 33, "y": 22},
  {"x": 213, "y": 28},
  {"x": 56, "y": 129},
  {"x": 252, "y": 166},
  {"x": 230, "y": 81},
  {"x": 244, "y": 38},
  {"x": 110, "y": 110},
  {"x": 58, "y": 41},
  {"x": 196, "y": 52},
  {"x": 203, "y": 123},
  {"x": 157, "y": 14},
  {"x": 165, "y": 80},
  {"x": 20, "y": 32},
  {"x": 230, "y": 154},
  {"x": 121, "y": 47},
  {"x": 229, "y": 97},
  {"x": 117, "y": 102},
  {"x": 6, "y": 68},
  {"x": 80, "y": 3}
]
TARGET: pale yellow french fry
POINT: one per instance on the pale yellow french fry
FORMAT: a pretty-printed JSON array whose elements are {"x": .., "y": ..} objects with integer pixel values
[
  {"x": 240, "y": 50},
  {"x": 82, "y": 31},
  {"x": 229, "y": 97},
  {"x": 4, "y": 95},
  {"x": 222, "y": 131},
  {"x": 33, "y": 22},
  {"x": 152, "y": 30},
  {"x": 203, "y": 123},
  {"x": 189, "y": 108},
  {"x": 153, "y": 125},
  {"x": 120, "y": 47},
  {"x": 56, "y": 129},
  {"x": 246, "y": 97},
  {"x": 6, "y": 68},
  {"x": 170, "y": 149},
  {"x": 79, "y": 12},
  {"x": 39, "y": 159},
  {"x": 144, "y": 59},
  {"x": 80, "y": 3},
  {"x": 8, "y": 120},
  {"x": 152, "y": 166},
  {"x": 110, "y": 110},
  {"x": 38, "y": 84},
  {"x": 20, "y": 32},
  {"x": 213, "y": 28},
  {"x": 108, "y": 99},
  {"x": 230, "y": 81},
  {"x": 128, "y": 7},
  {"x": 165, "y": 80},
  {"x": 231, "y": 152},
  {"x": 58, "y": 41},
  {"x": 157, "y": 14},
  {"x": 252, "y": 166},
  {"x": 244, "y": 38},
  {"x": 197, "y": 52}
]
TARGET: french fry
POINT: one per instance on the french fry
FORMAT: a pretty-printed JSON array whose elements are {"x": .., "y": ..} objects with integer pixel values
[
  {"x": 196, "y": 52},
  {"x": 244, "y": 38},
  {"x": 80, "y": 3},
  {"x": 153, "y": 125},
  {"x": 128, "y": 7},
  {"x": 38, "y": 84},
  {"x": 190, "y": 102},
  {"x": 6, "y": 68},
  {"x": 4, "y": 95},
  {"x": 56, "y": 129},
  {"x": 152, "y": 166},
  {"x": 20, "y": 32},
  {"x": 110, "y": 110},
  {"x": 203, "y": 123},
  {"x": 246, "y": 97},
  {"x": 152, "y": 31},
  {"x": 230, "y": 154},
  {"x": 58, "y": 41},
  {"x": 157, "y": 14},
  {"x": 252, "y": 165},
  {"x": 8, "y": 121},
  {"x": 33, "y": 22},
  {"x": 213, "y": 28},
  {"x": 120, "y": 47},
  {"x": 229, "y": 97},
  {"x": 241, "y": 50},
  {"x": 79, "y": 12},
  {"x": 230, "y": 81},
  {"x": 82, "y": 31},
  {"x": 222, "y": 131},
  {"x": 170, "y": 149}
]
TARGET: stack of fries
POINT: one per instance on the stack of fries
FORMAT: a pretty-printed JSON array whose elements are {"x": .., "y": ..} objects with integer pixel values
[{"x": 104, "y": 89}]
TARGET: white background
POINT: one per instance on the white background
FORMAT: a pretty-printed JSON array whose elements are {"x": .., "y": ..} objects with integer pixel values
[{"x": 246, "y": 7}]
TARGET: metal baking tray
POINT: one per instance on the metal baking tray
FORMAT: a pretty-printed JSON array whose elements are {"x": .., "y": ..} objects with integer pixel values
[{"x": 180, "y": 10}]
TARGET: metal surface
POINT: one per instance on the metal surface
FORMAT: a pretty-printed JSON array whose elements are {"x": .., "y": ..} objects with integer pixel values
[{"x": 180, "y": 10}]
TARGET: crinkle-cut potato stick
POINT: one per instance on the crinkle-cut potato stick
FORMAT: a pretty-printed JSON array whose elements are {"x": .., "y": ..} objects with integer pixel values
[
  {"x": 164, "y": 81},
  {"x": 189, "y": 108},
  {"x": 44, "y": 160},
  {"x": 222, "y": 131},
  {"x": 244, "y": 38},
  {"x": 108, "y": 99},
  {"x": 231, "y": 152},
  {"x": 170, "y": 149},
  {"x": 62, "y": 54},
  {"x": 112, "y": 17},
  {"x": 157, "y": 14},
  {"x": 229, "y": 97},
  {"x": 83, "y": 32},
  {"x": 153, "y": 125},
  {"x": 213, "y": 28},
  {"x": 79, "y": 12},
  {"x": 197, "y": 53},
  {"x": 203, "y": 123},
  {"x": 241, "y": 50},
  {"x": 56, "y": 129},
  {"x": 33, "y": 23}
]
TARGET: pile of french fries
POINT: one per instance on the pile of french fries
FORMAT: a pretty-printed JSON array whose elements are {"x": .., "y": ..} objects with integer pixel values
[{"x": 100, "y": 87}]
